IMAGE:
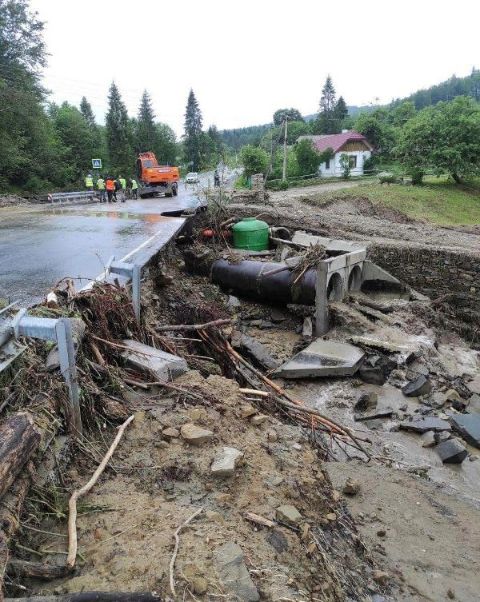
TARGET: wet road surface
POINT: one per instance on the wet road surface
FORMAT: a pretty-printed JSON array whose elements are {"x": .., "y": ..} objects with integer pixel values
[{"x": 39, "y": 246}]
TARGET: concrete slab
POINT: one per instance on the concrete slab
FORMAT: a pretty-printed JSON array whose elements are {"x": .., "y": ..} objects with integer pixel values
[
  {"x": 161, "y": 365},
  {"x": 372, "y": 271},
  {"x": 323, "y": 358}
]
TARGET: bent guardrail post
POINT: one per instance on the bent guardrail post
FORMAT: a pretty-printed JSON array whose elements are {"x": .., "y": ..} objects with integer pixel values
[
  {"x": 133, "y": 272},
  {"x": 60, "y": 332}
]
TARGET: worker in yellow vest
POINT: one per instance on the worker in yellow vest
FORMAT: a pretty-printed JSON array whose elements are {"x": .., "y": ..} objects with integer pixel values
[
  {"x": 101, "y": 189},
  {"x": 89, "y": 182},
  {"x": 123, "y": 184},
  {"x": 134, "y": 188}
]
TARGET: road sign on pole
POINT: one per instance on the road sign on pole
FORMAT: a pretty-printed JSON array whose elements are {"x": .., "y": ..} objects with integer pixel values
[{"x": 97, "y": 163}]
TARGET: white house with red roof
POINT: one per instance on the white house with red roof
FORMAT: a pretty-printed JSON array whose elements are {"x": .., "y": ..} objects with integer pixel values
[{"x": 350, "y": 143}]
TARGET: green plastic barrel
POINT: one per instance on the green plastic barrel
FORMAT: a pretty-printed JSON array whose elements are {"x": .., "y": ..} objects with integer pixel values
[{"x": 251, "y": 234}]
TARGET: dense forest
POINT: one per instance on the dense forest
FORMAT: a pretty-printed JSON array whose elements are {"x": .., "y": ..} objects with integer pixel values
[
  {"x": 447, "y": 90},
  {"x": 46, "y": 146}
]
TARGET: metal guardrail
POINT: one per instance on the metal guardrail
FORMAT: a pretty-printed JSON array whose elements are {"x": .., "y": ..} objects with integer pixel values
[{"x": 58, "y": 331}]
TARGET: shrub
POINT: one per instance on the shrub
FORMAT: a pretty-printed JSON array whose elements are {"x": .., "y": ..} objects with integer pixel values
[{"x": 254, "y": 160}]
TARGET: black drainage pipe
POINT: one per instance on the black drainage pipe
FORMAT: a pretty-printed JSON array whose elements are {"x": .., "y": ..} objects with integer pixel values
[{"x": 248, "y": 278}]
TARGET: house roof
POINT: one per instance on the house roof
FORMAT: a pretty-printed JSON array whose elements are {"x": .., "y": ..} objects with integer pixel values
[{"x": 336, "y": 141}]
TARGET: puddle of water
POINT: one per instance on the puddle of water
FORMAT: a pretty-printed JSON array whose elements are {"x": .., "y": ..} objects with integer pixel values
[{"x": 151, "y": 218}]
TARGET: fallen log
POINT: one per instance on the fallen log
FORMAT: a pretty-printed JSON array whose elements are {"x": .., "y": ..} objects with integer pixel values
[
  {"x": 93, "y": 597},
  {"x": 11, "y": 505},
  {"x": 19, "y": 439},
  {"x": 37, "y": 570},
  {"x": 10, "y": 510}
]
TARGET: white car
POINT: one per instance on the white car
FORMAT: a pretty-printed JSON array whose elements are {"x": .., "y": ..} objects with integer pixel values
[{"x": 192, "y": 178}]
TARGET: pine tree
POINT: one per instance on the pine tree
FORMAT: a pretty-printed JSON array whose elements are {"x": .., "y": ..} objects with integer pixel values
[
  {"x": 146, "y": 133},
  {"x": 86, "y": 111},
  {"x": 340, "y": 114},
  {"x": 193, "y": 132},
  {"x": 118, "y": 132},
  {"x": 326, "y": 122}
]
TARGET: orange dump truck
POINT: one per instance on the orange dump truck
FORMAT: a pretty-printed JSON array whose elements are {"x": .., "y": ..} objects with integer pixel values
[{"x": 154, "y": 178}]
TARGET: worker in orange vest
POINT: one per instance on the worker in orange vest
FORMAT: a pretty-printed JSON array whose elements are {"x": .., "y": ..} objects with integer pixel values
[{"x": 110, "y": 186}]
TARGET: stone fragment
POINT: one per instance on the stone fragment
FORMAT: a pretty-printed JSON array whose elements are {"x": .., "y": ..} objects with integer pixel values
[
  {"x": 225, "y": 462},
  {"x": 420, "y": 386},
  {"x": 171, "y": 433},
  {"x": 277, "y": 315},
  {"x": 365, "y": 401},
  {"x": 199, "y": 585},
  {"x": 247, "y": 410},
  {"x": 452, "y": 395},
  {"x": 385, "y": 413},
  {"x": 233, "y": 302},
  {"x": 441, "y": 436},
  {"x": 428, "y": 439},
  {"x": 195, "y": 435},
  {"x": 160, "y": 364},
  {"x": 234, "y": 574},
  {"x": 376, "y": 369},
  {"x": 474, "y": 403},
  {"x": 331, "y": 516},
  {"x": 258, "y": 419},
  {"x": 351, "y": 487},
  {"x": 451, "y": 452},
  {"x": 424, "y": 424},
  {"x": 468, "y": 425},
  {"x": 272, "y": 436},
  {"x": 288, "y": 514},
  {"x": 277, "y": 540}
]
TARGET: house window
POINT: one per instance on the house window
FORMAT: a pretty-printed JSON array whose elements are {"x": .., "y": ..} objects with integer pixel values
[
  {"x": 327, "y": 164},
  {"x": 352, "y": 159}
]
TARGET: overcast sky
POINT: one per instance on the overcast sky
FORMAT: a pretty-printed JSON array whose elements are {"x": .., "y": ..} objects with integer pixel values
[{"x": 246, "y": 59}]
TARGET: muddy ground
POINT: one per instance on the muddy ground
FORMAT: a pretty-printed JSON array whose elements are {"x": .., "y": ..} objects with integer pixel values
[{"x": 410, "y": 533}]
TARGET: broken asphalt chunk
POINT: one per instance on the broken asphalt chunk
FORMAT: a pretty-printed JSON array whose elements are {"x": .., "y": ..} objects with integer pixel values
[
  {"x": 424, "y": 424},
  {"x": 419, "y": 386},
  {"x": 322, "y": 358},
  {"x": 451, "y": 452},
  {"x": 468, "y": 426}
]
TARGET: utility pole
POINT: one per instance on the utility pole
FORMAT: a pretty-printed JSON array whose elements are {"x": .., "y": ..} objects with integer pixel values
[{"x": 284, "y": 175}]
